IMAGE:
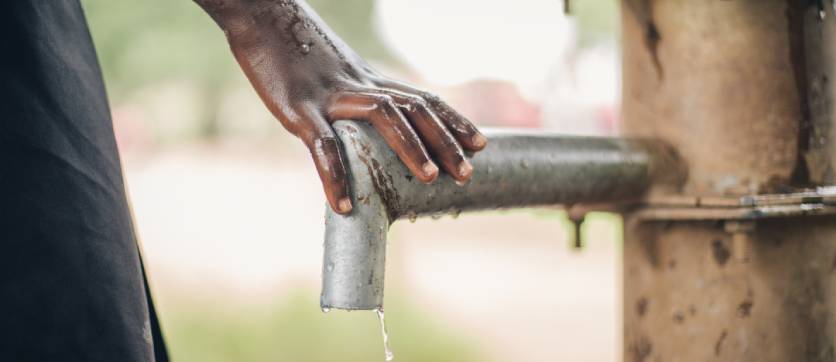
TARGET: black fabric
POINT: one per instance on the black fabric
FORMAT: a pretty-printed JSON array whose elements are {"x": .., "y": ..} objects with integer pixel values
[{"x": 71, "y": 282}]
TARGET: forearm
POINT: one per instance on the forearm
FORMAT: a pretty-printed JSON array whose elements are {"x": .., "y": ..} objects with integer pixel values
[
  {"x": 290, "y": 25},
  {"x": 228, "y": 13}
]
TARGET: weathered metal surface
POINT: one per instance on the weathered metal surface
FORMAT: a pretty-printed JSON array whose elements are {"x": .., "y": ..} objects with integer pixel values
[
  {"x": 742, "y": 89},
  {"x": 819, "y": 201},
  {"x": 515, "y": 170},
  {"x": 719, "y": 83},
  {"x": 823, "y": 195},
  {"x": 688, "y": 297}
]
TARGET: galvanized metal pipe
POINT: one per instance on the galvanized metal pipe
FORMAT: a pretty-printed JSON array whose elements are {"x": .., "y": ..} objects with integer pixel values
[{"x": 517, "y": 169}]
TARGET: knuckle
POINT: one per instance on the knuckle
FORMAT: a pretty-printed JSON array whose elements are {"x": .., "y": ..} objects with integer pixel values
[
  {"x": 416, "y": 103},
  {"x": 430, "y": 97},
  {"x": 384, "y": 104}
]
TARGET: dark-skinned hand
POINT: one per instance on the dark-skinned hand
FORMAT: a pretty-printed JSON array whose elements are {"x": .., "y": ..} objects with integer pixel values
[{"x": 309, "y": 78}]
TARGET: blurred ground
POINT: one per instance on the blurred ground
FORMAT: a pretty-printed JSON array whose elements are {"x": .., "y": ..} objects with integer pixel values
[{"x": 233, "y": 244}]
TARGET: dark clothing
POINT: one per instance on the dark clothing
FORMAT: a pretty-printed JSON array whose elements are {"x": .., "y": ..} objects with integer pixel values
[{"x": 71, "y": 281}]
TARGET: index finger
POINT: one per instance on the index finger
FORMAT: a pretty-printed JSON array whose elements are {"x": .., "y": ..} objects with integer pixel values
[
  {"x": 462, "y": 129},
  {"x": 327, "y": 156}
]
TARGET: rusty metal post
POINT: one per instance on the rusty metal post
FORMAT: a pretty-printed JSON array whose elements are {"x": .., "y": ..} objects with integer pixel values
[{"x": 742, "y": 89}]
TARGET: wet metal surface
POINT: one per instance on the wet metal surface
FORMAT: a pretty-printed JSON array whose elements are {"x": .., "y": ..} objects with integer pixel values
[
  {"x": 515, "y": 170},
  {"x": 818, "y": 201}
]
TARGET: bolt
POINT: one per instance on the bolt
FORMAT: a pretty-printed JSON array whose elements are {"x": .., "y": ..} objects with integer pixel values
[
  {"x": 741, "y": 239},
  {"x": 577, "y": 219}
]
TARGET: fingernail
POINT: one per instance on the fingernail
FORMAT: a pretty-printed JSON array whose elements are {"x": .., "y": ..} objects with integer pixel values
[
  {"x": 430, "y": 169},
  {"x": 465, "y": 169},
  {"x": 344, "y": 205},
  {"x": 479, "y": 141}
]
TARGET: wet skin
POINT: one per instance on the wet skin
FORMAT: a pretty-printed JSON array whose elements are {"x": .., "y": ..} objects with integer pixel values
[{"x": 309, "y": 78}]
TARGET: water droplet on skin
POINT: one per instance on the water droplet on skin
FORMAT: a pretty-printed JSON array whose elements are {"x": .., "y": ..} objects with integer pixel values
[
  {"x": 412, "y": 216},
  {"x": 306, "y": 48},
  {"x": 408, "y": 107},
  {"x": 389, "y": 355},
  {"x": 326, "y": 309}
]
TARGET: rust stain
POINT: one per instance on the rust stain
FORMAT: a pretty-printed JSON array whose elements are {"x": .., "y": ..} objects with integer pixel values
[
  {"x": 381, "y": 180},
  {"x": 641, "y": 306},
  {"x": 643, "y": 12},
  {"x": 384, "y": 185},
  {"x": 720, "y": 252},
  {"x": 798, "y": 58},
  {"x": 641, "y": 349},
  {"x": 719, "y": 345},
  {"x": 744, "y": 310},
  {"x": 678, "y": 317}
]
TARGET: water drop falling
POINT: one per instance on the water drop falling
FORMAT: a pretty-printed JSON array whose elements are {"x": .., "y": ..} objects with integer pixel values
[{"x": 389, "y": 355}]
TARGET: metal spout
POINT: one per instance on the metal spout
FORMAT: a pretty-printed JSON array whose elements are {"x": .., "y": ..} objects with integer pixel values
[{"x": 516, "y": 169}]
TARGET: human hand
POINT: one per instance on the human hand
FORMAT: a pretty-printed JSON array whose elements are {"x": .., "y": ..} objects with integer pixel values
[{"x": 309, "y": 78}]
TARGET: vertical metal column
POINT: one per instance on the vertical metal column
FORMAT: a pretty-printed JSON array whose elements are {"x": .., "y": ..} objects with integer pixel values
[{"x": 742, "y": 89}]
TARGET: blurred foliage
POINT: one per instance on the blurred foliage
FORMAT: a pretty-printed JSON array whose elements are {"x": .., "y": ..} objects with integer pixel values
[
  {"x": 295, "y": 330},
  {"x": 353, "y": 20},
  {"x": 142, "y": 42},
  {"x": 597, "y": 20}
]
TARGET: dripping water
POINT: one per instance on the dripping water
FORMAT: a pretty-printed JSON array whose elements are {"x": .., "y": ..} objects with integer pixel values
[{"x": 389, "y": 355}]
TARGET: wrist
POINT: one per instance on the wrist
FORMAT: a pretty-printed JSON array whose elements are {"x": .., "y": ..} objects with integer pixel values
[{"x": 235, "y": 16}]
